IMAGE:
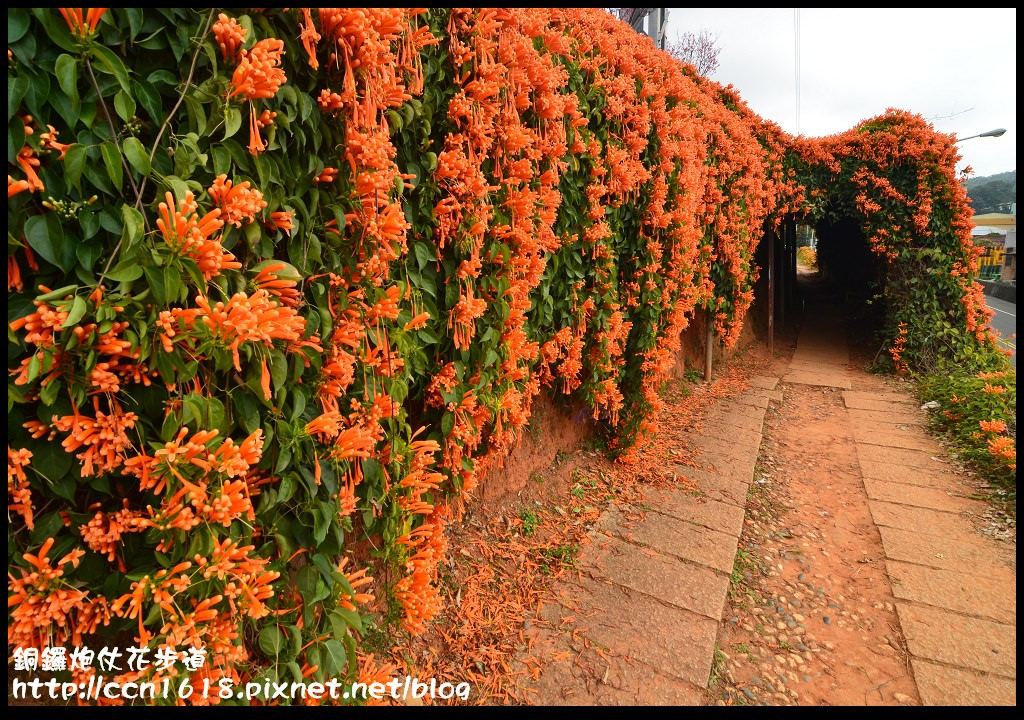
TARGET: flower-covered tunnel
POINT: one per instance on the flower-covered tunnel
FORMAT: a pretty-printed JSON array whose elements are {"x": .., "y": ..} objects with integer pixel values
[{"x": 286, "y": 281}]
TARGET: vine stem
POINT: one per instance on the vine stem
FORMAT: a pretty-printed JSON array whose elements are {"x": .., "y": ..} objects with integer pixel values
[
  {"x": 159, "y": 135},
  {"x": 113, "y": 134},
  {"x": 181, "y": 99}
]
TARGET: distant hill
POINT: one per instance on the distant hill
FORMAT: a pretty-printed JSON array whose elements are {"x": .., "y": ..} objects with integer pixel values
[{"x": 993, "y": 193}]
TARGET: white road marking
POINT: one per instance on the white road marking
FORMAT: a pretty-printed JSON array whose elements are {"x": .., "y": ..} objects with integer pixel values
[{"x": 1003, "y": 311}]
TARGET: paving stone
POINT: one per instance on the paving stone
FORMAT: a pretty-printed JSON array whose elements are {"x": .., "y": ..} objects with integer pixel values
[
  {"x": 741, "y": 436},
  {"x": 937, "y": 552},
  {"x": 727, "y": 466},
  {"x": 946, "y": 637},
  {"x": 940, "y": 685},
  {"x": 814, "y": 367},
  {"x": 709, "y": 447},
  {"x": 890, "y": 397},
  {"x": 727, "y": 408},
  {"x": 717, "y": 487},
  {"x": 686, "y": 585},
  {"x": 897, "y": 440},
  {"x": 932, "y": 477},
  {"x": 904, "y": 416},
  {"x": 641, "y": 633},
  {"x": 673, "y": 536},
  {"x": 922, "y": 521},
  {"x": 709, "y": 513},
  {"x": 600, "y": 681},
  {"x": 911, "y": 495},
  {"x": 763, "y": 381},
  {"x": 751, "y": 424},
  {"x": 992, "y": 597},
  {"x": 863, "y": 403},
  {"x": 898, "y": 456},
  {"x": 752, "y": 398},
  {"x": 818, "y": 379}
]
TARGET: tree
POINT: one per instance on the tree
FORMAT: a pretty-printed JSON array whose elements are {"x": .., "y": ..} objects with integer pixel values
[{"x": 699, "y": 49}]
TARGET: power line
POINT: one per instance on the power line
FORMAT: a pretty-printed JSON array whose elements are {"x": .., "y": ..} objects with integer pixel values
[{"x": 796, "y": 62}]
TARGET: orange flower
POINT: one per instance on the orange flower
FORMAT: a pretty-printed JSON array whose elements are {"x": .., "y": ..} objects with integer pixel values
[
  {"x": 103, "y": 440},
  {"x": 191, "y": 236},
  {"x": 994, "y": 389},
  {"x": 328, "y": 175},
  {"x": 29, "y": 162},
  {"x": 309, "y": 37},
  {"x": 355, "y": 579},
  {"x": 258, "y": 74},
  {"x": 17, "y": 484},
  {"x": 16, "y": 186},
  {"x": 994, "y": 426},
  {"x": 49, "y": 140},
  {"x": 1003, "y": 447},
  {"x": 281, "y": 286},
  {"x": 83, "y": 29},
  {"x": 236, "y": 202},
  {"x": 230, "y": 36},
  {"x": 281, "y": 220},
  {"x": 417, "y": 322}
]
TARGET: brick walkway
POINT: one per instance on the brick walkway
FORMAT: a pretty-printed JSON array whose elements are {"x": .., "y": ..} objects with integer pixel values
[
  {"x": 639, "y": 626},
  {"x": 955, "y": 589}
]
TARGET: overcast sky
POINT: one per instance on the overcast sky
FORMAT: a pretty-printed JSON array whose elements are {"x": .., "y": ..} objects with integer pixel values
[{"x": 856, "y": 63}]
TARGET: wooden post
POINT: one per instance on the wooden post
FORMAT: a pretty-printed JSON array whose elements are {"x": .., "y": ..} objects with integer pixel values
[
  {"x": 794, "y": 291},
  {"x": 709, "y": 345},
  {"x": 782, "y": 272},
  {"x": 771, "y": 291}
]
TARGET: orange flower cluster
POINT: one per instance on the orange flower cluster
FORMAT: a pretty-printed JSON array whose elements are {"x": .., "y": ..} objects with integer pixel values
[
  {"x": 189, "y": 235},
  {"x": 1004, "y": 448},
  {"x": 230, "y": 36},
  {"x": 258, "y": 76},
  {"x": 83, "y": 28},
  {"x": 45, "y": 609},
  {"x": 237, "y": 202},
  {"x": 103, "y": 439},
  {"x": 17, "y": 484},
  {"x": 244, "y": 318}
]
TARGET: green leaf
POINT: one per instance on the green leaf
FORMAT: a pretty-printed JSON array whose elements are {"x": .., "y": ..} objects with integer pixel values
[
  {"x": 74, "y": 163},
  {"x": 124, "y": 105},
  {"x": 16, "y": 90},
  {"x": 45, "y": 235},
  {"x": 335, "y": 657},
  {"x": 76, "y": 313},
  {"x": 232, "y": 122},
  {"x": 133, "y": 227},
  {"x": 17, "y": 24},
  {"x": 125, "y": 271},
  {"x": 67, "y": 75},
  {"x": 110, "y": 63},
  {"x": 137, "y": 155},
  {"x": 15, "y": 139},
  {"x": 271, "y": 641},
  {"x": 447, "y": 423},
  {"x": 112, "y": 161}
]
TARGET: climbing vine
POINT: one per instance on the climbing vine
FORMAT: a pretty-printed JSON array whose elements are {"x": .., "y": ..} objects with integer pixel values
[{"x": 248, "y": 373}]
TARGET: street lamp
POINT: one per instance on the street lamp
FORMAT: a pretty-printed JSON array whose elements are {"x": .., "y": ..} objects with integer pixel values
[{"x": 991, "y": 133}]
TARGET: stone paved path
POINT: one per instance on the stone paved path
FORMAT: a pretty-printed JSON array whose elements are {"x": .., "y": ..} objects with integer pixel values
[
  {"x": 955, "y": 589},
  {"x": 639, "y": 626}
]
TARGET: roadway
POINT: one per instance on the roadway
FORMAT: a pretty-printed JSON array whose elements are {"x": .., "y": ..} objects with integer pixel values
[{"x": 1005, "y": 321}]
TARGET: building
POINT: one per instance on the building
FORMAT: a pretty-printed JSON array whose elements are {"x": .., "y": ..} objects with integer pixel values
[
  {"x": 648, "y": 21},
  {"x": 1009, "y": 273},
  {"x": 993, "y": 232}
]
